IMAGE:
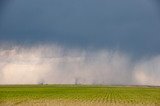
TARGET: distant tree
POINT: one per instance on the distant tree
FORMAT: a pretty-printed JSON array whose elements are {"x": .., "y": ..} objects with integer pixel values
[
  {"x": 76, "y": 81},
  {"x": 41, "y": 82}
]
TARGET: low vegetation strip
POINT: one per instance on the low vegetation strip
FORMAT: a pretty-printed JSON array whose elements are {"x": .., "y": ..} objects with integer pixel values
[{"x": 78, "y": 94}]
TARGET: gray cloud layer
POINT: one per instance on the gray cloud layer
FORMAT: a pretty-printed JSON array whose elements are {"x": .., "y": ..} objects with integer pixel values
[{"x": 132, "y": 26}]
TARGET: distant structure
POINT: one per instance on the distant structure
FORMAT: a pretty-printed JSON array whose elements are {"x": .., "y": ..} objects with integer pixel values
[
  {"x": 77, "y": 81},
  {"x": 41, "y": 82}
]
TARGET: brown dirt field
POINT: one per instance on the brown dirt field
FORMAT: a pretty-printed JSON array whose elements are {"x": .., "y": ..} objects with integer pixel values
[{"x": 68, "y": 103}]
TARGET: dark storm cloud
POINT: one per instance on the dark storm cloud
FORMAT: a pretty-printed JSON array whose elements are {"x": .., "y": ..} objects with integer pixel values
[
  {"x": 132, "y": 26},
  {"x": 3, "y": 4},
  {"x": 80, "y": 41}
]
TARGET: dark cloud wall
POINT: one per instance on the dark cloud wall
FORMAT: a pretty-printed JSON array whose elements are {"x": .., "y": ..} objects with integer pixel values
[
  {"x": 3, "y": 5},
  {"x": 132, "y": 26}
]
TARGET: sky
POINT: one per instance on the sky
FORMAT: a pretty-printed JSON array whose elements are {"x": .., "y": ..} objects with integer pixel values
[{"x": 122, "y": 31}]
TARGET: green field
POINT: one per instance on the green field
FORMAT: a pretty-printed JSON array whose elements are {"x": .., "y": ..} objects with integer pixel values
[{"x": 57, "y": 95}]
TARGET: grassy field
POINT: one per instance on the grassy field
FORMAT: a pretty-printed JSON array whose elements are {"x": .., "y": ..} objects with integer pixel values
[{"x": 79, "y": 95}]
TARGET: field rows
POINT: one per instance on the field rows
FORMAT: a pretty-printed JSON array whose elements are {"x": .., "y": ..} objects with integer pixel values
[{"x": 102, "y": 95}]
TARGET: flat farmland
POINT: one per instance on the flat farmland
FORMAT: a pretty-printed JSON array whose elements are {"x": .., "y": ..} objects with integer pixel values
[{"x": 79, "y": 95}]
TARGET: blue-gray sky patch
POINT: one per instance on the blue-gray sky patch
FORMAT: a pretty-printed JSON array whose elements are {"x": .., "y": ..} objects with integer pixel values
[{"x": 132, "y": 26}]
